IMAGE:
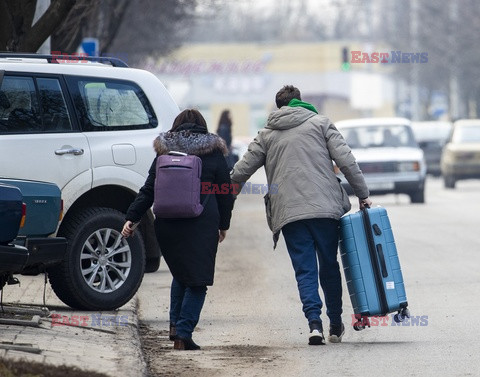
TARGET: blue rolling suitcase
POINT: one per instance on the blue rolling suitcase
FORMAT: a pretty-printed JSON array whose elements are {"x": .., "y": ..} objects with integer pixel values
[{"x": 371, "y": 266}]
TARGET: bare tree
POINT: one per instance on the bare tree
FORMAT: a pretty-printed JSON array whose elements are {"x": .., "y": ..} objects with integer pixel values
[
  {"x": 16, "y": 17},
  {"x": 132, "y": 30},
  {"x": 151, "y": 28},
  {"x": 88, "y": 18},
  {"x": 252, "y": 21}
]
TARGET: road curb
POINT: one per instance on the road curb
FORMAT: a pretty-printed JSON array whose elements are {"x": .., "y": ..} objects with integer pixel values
[
  {"x": 106, "y": 342},
  {"x": 130, "y": 345}
]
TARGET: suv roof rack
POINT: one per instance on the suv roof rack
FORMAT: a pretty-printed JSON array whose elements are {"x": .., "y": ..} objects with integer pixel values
[{"x": 115, "y": 62}]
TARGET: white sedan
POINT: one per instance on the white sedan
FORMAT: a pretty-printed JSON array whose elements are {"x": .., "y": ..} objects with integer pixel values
[{"x": 388, "y": 155}]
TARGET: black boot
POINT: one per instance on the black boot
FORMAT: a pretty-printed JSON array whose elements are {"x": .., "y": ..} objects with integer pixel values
[
  {"x": 173, "y": 332},
  {"x": 186, "y": 344}
]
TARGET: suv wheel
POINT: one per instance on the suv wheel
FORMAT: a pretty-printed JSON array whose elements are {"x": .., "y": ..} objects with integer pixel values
[
  {"x": 102, "y": 270},
  {"x": 449, "y": 181}
]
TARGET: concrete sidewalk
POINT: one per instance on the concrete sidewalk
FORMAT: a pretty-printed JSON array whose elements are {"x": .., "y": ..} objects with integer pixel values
[{"x": 103, "y": 342}]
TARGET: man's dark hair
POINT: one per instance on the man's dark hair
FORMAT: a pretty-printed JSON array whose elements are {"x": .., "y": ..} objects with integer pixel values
[{"x": 286, "y": 94}]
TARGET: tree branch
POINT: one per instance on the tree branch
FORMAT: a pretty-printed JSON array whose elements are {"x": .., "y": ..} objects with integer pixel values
[
  {"x": 6, "y": 26},
  {"x": 46, "y": 25}
]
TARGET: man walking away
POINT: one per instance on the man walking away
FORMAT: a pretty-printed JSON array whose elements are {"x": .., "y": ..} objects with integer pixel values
[{"x": 297, "y": 147}]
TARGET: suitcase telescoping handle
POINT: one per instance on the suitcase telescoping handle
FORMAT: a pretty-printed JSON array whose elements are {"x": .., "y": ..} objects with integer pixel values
[
  {"x": 378, "y": 247},
  {"x": 376, "y": 253},
  {"x": 381, "y": 258}
]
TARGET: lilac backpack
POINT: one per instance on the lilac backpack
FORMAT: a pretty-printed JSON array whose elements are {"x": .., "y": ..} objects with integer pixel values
[{"x": 177, "y": 186}]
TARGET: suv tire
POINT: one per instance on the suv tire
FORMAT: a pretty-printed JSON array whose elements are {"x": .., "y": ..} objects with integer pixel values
[{"x": 95, "y": 247}]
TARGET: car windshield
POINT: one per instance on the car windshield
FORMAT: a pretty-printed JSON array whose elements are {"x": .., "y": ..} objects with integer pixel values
[
  {"x": 379, "y": 136},
  {"x": 466, "y": 134}
]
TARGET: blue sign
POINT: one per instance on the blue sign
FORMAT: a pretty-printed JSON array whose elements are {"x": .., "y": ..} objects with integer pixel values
[{"x": 90, "y": 46}]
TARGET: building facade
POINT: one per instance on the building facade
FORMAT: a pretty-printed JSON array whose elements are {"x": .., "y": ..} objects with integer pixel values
[{"x": 244, "y": 78}]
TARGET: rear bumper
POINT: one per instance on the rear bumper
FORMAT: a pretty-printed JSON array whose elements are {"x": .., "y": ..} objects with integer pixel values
[
  {"x": 462, "y": 171},
  {"x": 46, "y": 251},
  {"x": 403, "y": 187},
  {"x": 13, "y": 258},
  {"x": 43, "y": 252}
]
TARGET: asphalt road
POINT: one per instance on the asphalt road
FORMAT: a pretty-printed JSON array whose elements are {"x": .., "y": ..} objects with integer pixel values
[{"x": 252, "y": 323}]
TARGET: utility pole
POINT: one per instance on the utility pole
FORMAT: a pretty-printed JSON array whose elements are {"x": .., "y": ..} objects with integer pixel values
[
  {"x": 42, "y": 6},
  {"x": 454, "y": 104},
  {"x": 414, "y": 73}
]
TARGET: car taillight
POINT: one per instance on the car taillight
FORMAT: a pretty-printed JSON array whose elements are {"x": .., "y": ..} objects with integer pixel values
[
  {"x": 60, "y": 216},
  {"x": 24, "y": 215}
]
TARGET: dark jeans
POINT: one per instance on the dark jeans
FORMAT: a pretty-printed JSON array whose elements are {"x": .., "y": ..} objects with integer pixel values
[
  {"x": 185, "y": 306},
  {"x": 306, "y": 241}
]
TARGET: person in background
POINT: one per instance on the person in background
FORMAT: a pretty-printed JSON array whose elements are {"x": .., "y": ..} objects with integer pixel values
[
  {"x": 189, "y": 245},
  {"x": 297, "y": 147},
  {"x": 224, "y": 130}
]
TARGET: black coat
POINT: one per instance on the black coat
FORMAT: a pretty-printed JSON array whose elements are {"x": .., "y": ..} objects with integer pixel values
[{"x": 189, "y": 246}]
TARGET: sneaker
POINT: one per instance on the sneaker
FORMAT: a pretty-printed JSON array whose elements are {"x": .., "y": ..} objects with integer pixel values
[
  {"x": 336, "y": 333},
  {"x": 315, "y": 337}
]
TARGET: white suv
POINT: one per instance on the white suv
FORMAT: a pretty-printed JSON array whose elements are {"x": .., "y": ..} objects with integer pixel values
[{"x": 89, "y": 128}]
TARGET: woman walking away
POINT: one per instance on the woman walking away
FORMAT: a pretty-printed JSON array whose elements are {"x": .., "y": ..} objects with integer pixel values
[
  {"x": 224, "y": 130},
  {"x": 189, "y": 245}
]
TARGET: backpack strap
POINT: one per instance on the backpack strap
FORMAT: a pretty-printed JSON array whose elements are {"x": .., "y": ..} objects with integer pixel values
[{"x": 206, "y": 200}]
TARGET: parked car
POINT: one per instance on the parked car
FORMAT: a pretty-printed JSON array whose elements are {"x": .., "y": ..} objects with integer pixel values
[
  {"x": 34, "y": 251},
  {"x": 388, "y": 155},
  {"x": 88, "y": 127},
  {"x": 431, "y": 136},
  {"x": 12, "y": 212},
  {"x": 461, "y": 155}
]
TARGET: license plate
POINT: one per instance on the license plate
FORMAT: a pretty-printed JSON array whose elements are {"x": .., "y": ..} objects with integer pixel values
[{"x": 377, "y": 186}]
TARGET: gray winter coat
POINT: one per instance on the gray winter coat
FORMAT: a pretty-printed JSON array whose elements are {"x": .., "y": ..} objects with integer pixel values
[{"x": 297, "y": 147}]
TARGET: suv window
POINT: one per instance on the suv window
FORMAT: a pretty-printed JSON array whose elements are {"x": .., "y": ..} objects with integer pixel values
[
  {"x": 19, "y": 110},
  {"x": 108, "y": 105},
  {"x": 54, "y": 108}
]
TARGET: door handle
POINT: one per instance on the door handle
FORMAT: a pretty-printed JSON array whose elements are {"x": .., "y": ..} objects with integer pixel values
[{"x": 74, "y": 151}]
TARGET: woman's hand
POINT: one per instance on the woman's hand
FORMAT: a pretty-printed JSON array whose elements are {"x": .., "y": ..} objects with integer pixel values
[
  {"x": 128, "y": 229},
  {"x": 221, "y": 235}
]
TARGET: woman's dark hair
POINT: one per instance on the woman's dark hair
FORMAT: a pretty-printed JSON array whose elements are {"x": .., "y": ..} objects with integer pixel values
[
  {"x": 225, "y": 119},
  {"x": 286, "y": 94},
  {"x": 189, "y": 116}
]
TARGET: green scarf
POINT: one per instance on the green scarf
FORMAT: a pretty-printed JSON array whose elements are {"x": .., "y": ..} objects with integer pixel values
[{"x": 296, "y": 103}]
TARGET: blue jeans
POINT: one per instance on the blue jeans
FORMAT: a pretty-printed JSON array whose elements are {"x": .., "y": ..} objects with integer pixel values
[
  {"x": 307, "y": 241},
  {"x": 186, "y": 303}
]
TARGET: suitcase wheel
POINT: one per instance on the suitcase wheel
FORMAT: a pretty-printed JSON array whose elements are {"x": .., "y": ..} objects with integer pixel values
[
  {"x": 361, "y": 323},
  {"x": 358, "y": 327},
  {"x": 401, "y": 315}
]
